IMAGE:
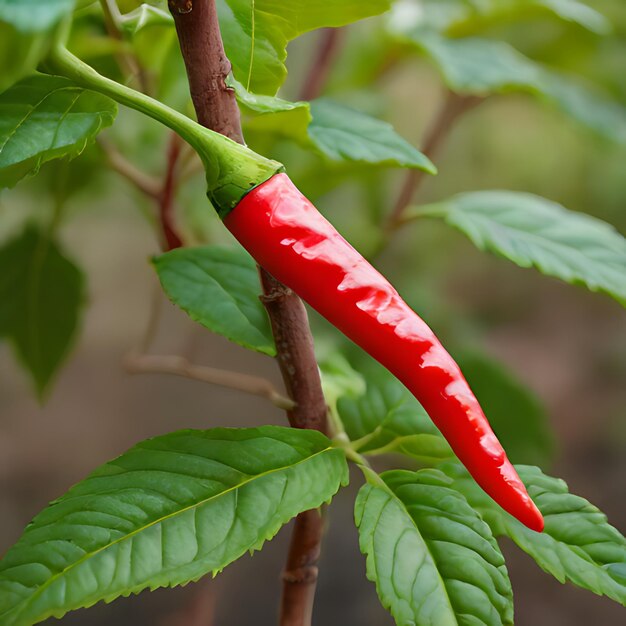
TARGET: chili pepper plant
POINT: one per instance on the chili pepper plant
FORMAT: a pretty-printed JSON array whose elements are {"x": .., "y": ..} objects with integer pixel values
[{"x": 370, "y": 387}]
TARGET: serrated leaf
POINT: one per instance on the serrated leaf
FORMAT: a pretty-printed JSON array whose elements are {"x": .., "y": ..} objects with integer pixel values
[
  {"x": 41, "y": 294},
  {"x": 34, "y": 15},
  {"x": 482, "y": 67},
  {"x": 534, "y": 232},
  {"x": 167, "y": 512},
  {"x": 387, "y": 418},
  {"x": 434, "y": 561},
  {"x": 515, "y": 413},
  {"x": 256, "y": 33},
  {"x": 44, "y": 118},
  {"x": 335, "y": 131},
  {"x": 578, "y": 545},
  {"x": 218, "y": 287},
  {"x": 343, "y": 134}
]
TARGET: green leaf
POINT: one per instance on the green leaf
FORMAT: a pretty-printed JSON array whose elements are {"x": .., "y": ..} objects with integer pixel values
[
  {"x": 434, "y": 561},
  {"x": 256, "y": 33},
  {"x": 339, "y": 378},
  {"x": 218, "y": 287},
  {"x": 534, "y": 232},
  {"x": 165, "y": 513},
  {"x": 335, "y": 131},
  {"x": 145, "y": 16},
  {"x": 482, "y": 67},
  {"x": 34, "y": 15},
  {"x": 41, "y": 294},
  {"x": 387, "y": 418},
  {"x": 515, "y": 413},
  {"x": 269, "y": 114},
  {"x": 343, "y": 134},
  {"x": 44, "y": 118},
  {"x": 578, "y": 545}
]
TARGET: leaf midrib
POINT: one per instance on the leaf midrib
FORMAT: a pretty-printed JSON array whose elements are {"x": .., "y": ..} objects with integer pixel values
[
  {"x": 393, "y": 495},
  {"x": 24, "y": 604}
]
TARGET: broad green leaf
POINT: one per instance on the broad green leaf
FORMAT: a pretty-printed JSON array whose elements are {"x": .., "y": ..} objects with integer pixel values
[
  {"x": 335, "y": 131},
  {"x": 44, "y": 118},
  {"x": 41, "y": 294},
  {"x": 434, "y": 561},
  {"x": 534, "y": 232},
  {"x": 256, "y": 33},
  {"x": 343, "y": 134},
  {"x": 515, "y": 413},
  {"x": 218, "y": 287},
  {"x": 387, "y": 418},
  {"x": 483, "y": 67},
  {"x": 34, "y": 15},
  {"x": 578, "y": 545},
  {"x": 165, "y": 513}
]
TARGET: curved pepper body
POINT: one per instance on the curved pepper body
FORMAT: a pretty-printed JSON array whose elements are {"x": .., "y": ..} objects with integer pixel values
[{"x": 287, "y": 236}]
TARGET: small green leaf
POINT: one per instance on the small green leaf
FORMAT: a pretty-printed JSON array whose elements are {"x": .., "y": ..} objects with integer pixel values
[
  {"x": 339, "y": 378},
  {"x": 44, "y": 118},
  {"x": 256, "y": 33},
  {"x": 515, "y": 413},
  {"x": 218, "y": 287},
  {"x": 145, "y": 16},
  {"x": 41, "y": 294},
  {"x": 482, "y": 67},
  {"x": 434, "y": 561},
  {"x": 269, "y": 114},
  {"x": 578, "y": 545},
  {"x": 32, "y": 16},
  {"x": 165, "y": 513},
  {"x": 343, "y": 134},
  {"x": 387, "y": 418},
  {"x": 534, "y": 232}
]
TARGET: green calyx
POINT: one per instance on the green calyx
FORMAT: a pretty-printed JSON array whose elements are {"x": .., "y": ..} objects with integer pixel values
[{"x": 232, "y": 170}]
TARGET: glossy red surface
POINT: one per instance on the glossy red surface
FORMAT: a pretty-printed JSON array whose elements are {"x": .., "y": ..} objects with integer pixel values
[{"x": 286, "y": 234}]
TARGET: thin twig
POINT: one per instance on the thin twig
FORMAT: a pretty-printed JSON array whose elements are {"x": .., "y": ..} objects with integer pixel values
[
  {"x": 166, "y": 200},
  {"x": 207, "y": 68},
  {"x": 329, "y": 43},
  {"x": 179, "y": 366},
  {"x": 127, "y": 61},
  {"x": 454, "y": 106},
  {"x": 145, "y": 183}
]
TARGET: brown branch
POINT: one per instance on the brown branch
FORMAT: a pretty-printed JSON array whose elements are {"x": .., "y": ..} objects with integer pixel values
[
  {"x": 207, "y": 68},
  {"x": 454, "y": 106},
  {"x": 118, "y": 162},
  {"x": 180, "y": 366},
  {"x": 328, "y": 47},
  {"x": 166, "y": 197}
]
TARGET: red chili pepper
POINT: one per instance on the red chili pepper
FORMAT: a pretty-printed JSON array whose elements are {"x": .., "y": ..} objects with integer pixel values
[{"x": 286, "y": 234}]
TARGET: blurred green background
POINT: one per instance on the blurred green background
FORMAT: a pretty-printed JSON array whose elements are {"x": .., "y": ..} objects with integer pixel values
[{"x": 564, "y": 346}]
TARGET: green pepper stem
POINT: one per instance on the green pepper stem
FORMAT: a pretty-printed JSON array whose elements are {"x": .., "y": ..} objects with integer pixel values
[{"x": 232, "y": 170}]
